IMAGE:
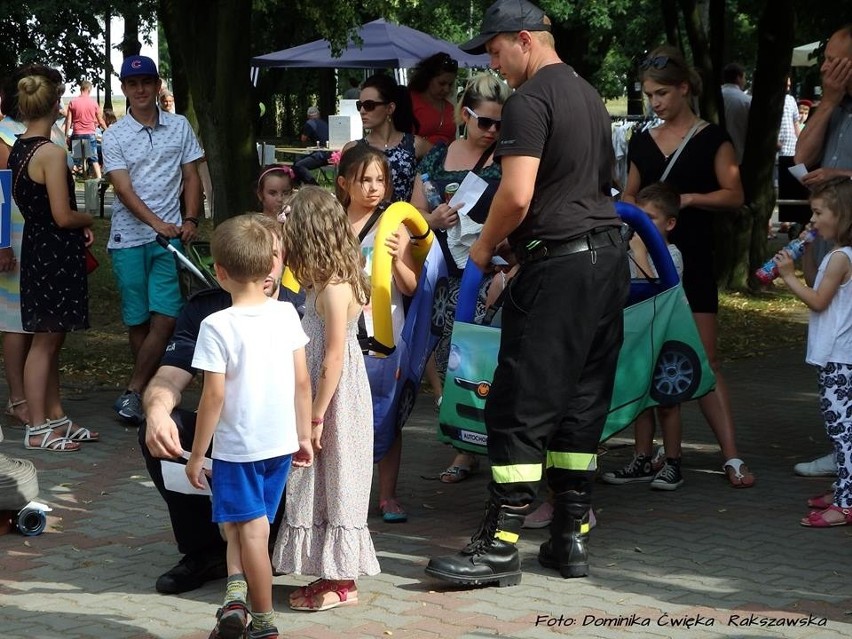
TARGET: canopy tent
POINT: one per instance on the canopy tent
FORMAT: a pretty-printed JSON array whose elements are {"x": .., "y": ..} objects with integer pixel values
[
  {"x": 803, "y": 55},
  {"x": 383, "y": 45}
]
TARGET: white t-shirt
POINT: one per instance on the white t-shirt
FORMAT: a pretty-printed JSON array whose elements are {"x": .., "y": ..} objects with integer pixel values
[
  {"x": 397, "y": 309},
  {"x": 253, "y": 346},
  {"x": 677, "y": 258},
  {"x": 830, "y": 331}
]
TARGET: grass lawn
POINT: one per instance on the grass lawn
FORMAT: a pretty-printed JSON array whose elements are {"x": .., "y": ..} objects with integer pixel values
[{"x": 100, "y": 357}]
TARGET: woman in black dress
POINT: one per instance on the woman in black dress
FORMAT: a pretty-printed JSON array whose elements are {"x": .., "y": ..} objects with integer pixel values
[
  {"x": 54, "y": 291},
  {"x": 708, "y": 179}
]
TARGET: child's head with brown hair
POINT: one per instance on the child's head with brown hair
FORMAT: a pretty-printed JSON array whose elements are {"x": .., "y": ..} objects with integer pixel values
[
  {"x": 662, "y": 204},
  {"x": 39, "y": 93},
  {"x": 351, "y": 171},
  {"x": 246, "y": 246},
  {"x": 831, "y": 203},
  {"x": 320, "y": 245},
  {"x": 274, "y": 187}
]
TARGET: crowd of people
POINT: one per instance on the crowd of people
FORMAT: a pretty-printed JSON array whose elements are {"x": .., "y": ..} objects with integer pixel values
[{"x": 539, "y": 138}]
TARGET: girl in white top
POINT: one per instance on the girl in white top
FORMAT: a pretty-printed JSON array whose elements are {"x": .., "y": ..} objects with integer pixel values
[
  {"x": 830, "y": 340},
  {"x": 363, "y": 185}
]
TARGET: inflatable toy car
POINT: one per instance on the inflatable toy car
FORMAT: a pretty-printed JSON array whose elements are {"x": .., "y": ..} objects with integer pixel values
[{"x": 661, "y": 360}]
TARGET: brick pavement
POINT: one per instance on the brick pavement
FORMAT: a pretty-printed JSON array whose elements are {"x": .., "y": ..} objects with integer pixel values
[{"x": 696, "y": 556}]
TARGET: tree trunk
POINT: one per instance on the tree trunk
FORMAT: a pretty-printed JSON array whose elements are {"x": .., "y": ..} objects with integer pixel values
[
  {"x": 212, "y": 43},
  {"x": 776, "y": 33},
  {"x": 670, "y": 18},
  {"x": 107, "y": 60},
  {"x": 130, "y": 44}
]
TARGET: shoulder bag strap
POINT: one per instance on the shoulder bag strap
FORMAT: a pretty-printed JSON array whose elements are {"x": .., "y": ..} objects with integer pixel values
[
  {"x": 484, "y": 158},
  {"x": 371, "y": 222},
  {"x": 680, "y": 148}
]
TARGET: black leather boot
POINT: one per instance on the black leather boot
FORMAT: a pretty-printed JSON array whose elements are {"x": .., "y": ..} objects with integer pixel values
[
  {"x": 491, "y": 556},
  {"x": 569, "y": 534}
]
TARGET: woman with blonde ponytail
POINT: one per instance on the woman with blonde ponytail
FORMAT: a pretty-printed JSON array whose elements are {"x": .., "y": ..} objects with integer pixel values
[{"x": 54, "y": 292}]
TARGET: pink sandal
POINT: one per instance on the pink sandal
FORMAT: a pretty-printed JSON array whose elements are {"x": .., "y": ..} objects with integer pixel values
[
  {"x": 821, "y": 502},
  {"x": 816, "y": 519},
  {"x": 346, "y": 593}
]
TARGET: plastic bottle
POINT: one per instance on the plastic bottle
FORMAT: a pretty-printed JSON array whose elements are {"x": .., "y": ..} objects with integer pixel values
[
  {"x": 796, "y": 248},
  {"x": 433, "y": 198}
]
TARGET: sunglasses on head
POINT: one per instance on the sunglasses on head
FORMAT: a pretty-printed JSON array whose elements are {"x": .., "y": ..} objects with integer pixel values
[
  {"x": 368, "y": 105},
  {"x": 482, "y": 122},
  {"x": 656, "y": 62}
]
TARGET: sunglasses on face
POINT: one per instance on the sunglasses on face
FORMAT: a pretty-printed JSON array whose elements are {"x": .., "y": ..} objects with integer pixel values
[
  {"x": 482, "y": 122},
  {"x": 657, "y": 62},
  {"x": 368, "y": 105}
]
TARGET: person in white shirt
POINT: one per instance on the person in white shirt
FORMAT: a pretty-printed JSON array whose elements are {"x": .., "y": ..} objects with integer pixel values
[{"x": 737, "y": 105}]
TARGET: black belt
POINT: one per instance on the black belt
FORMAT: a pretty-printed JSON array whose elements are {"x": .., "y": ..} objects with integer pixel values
[{"x": 542, "y": 249}]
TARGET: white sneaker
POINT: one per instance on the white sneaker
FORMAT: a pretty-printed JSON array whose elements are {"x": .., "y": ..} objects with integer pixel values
[{"x": 820, "y": 467}]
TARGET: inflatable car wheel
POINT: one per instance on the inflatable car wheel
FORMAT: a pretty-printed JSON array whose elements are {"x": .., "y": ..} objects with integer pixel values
[
  {"x": 439, "y": 307},
  {"x": 405, "y": 405},
  {"x": 676, "y": 375}
]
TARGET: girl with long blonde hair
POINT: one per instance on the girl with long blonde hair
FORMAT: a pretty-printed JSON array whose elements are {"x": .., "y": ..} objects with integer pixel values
[{"x": 324, "y": 531}]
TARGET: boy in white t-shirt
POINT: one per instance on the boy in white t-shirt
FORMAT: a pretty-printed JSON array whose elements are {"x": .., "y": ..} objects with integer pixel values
[
  {"x": 662, "y": 204},
  {"x": 255, "y": 407}
]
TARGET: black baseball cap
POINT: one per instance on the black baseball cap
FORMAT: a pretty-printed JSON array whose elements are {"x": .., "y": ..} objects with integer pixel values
[{"x": 506, "y": 16}]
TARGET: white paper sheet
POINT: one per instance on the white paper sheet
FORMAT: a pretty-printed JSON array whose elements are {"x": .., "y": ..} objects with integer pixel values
[
  {"x": 470, "y": 190},
  {"x": 175, "y": 479},
  {"x": 798, "y": 171}
]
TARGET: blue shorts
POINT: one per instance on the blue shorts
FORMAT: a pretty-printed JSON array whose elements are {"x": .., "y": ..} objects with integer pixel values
[
  {"x": 148, "y": 282},
  {"x": 84, "y": 146},
  {"x": 243, "y": 491}
]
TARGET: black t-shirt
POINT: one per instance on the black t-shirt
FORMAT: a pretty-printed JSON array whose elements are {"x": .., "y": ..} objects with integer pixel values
[
  {"x": 694, "y": 172},
  {"x": 558, "y": 117},
  {"x": 181, "y": 346}
]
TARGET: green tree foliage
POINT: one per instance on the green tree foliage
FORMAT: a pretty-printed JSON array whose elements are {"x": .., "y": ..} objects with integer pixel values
[
  {"x": 64, "y": 34},
  {"x": 55, "y": 33}
]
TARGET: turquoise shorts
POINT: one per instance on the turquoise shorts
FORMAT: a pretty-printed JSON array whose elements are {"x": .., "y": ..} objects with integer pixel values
[{"x": 148, "y": 282}]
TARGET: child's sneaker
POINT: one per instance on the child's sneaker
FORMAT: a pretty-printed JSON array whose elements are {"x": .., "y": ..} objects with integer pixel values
[
  {"x": 270, "y": 632},
  {"x": 659, "y": 458},
  {"x": 638, "y": 470},
  {"x": 230, "y": 621},
  {"x": 669, "y": 477}
]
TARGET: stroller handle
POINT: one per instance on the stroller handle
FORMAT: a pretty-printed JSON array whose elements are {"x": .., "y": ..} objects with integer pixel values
[{"x": 163, "y": 241}]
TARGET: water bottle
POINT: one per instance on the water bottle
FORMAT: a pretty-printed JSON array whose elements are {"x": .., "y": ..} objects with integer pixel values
[
  {"x": 796, "y": 248},
  {"x": 433, "y": 198}
]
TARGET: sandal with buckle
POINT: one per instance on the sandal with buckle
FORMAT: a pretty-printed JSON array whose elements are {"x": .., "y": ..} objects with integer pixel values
[
  {"x": 456, "y": 473},
  {"x": 816, "y": 519},
  {"x": 307, "y": 591},
  {"x": 737, "y": 479},
  {"x": 16, "y": 421},
  {"x": 821, "y": 502},
  {"x": 392, "y": 512},
  {"x": 346, "y": 593},
  {"x": 73, "y": 432},
  {"x": 49, "y": 440},
  {"x": 231, "y": 620}
]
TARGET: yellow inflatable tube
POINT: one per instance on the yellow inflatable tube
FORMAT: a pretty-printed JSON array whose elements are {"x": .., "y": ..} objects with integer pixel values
[
  {"x": 289, "y": 281},
  {"x": 380, "y": 279}
]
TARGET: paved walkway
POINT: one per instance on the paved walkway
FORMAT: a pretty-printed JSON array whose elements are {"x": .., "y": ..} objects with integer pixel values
[{"x": 705, "y": 554}]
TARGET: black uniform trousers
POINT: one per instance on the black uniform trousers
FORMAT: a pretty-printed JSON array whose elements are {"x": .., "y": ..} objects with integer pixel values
[{"x": 561, "y": 335}]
